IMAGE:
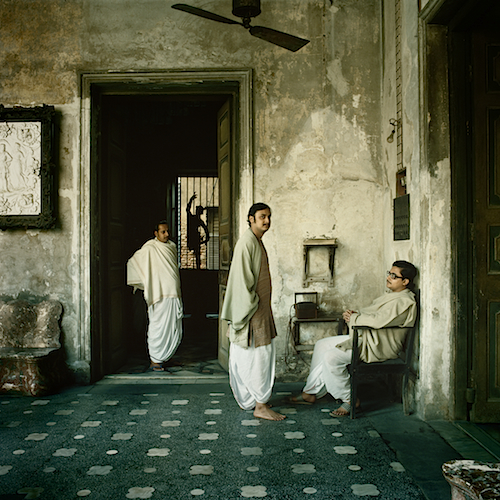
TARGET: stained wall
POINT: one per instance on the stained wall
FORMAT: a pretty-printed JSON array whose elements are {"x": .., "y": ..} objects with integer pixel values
[{"x": 320, "y": 121}]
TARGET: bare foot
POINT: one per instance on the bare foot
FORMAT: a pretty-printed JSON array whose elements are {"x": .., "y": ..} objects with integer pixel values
[
  {"x": 304, "y": 398},
  {"x": 263, "y": 411}
]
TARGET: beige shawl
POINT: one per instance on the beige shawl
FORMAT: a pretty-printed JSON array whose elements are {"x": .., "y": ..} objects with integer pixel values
[
  {"x": 241, "y": 299},
  {"x": 153, "y": 268},
  {"x": 393, "y": 309}
]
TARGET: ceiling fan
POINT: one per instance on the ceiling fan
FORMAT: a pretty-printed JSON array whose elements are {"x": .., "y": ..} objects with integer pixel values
[{"x": 246, "y": 9}]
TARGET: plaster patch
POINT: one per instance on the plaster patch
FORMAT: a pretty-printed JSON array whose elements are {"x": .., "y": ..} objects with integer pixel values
[{"x": 334, "y": 74}]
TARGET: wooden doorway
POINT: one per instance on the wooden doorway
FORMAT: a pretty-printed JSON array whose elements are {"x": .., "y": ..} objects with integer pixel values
[
  {"x": 146, "y": 174},
  {"x": 485, "y": 375},
  {"x": 475, "y": 125}
]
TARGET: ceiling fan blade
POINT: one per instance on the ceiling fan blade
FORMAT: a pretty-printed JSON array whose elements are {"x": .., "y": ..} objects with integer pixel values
[
  {"x": 203, "y": 13},
  {"x": 284, "y": 40}
]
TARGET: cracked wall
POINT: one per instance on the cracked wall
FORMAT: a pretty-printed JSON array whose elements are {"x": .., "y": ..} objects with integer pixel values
[{"x": 320, "y": 156}]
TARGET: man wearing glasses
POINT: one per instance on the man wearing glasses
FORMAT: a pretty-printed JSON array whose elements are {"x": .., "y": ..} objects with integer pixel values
[{"x": 395, "y": 311}]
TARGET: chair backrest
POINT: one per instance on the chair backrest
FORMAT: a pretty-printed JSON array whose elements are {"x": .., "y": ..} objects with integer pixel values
[{"x": 409, "y": 345}]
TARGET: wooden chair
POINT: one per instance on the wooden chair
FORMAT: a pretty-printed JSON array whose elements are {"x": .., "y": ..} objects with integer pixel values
[{"x": 403, "y": 364}]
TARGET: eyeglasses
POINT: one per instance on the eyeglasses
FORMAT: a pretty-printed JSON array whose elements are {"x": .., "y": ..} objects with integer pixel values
[{"x": 394, "y": 276}]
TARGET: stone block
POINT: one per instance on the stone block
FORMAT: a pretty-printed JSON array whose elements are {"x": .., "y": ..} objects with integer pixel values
[{"x": 31, "y": 358}]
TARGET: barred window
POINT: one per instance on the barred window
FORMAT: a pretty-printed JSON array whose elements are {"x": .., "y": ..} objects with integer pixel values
[{"x": 198, "y": 213}]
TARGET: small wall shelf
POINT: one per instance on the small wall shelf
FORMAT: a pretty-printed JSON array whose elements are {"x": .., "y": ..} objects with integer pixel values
[{"x": 309, "y": 244}]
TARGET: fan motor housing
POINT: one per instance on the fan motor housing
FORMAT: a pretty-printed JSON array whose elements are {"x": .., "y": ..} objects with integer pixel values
[{"x": 246, "y": 8}]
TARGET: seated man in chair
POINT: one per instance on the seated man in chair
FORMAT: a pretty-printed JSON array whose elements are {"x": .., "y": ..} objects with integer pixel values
[{"x": 397, "y": 308}]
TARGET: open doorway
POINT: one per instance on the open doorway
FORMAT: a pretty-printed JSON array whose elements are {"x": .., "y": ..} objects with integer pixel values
[{"x": 152, "y": 153}]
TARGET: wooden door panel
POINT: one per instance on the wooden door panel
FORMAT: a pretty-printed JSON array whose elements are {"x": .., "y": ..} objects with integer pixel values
[
  {"x": 224, "y": 162},
  {"x": 225, "y": 171},
  {"x": 486, "y": 144},
  {"x": 493, "y": 341},
  {"x": 108, "y": 285},
  {"x": 114, "y": 233}
]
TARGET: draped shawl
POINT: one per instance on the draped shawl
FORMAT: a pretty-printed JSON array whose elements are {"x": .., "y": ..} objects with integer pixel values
[
  {"x": 153, "y": 268},
  {"x": 393, "y": 309},
  {"x": 241, "y": 300}
]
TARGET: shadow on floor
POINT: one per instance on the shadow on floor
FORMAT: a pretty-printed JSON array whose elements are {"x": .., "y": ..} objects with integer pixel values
[{"x": 197, "y": 351}]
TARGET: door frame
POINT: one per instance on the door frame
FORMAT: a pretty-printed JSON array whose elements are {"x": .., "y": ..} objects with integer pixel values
[
  {"x": 158, "y": 82},
  {"x": 447, "y": 86},
  {"x": 442, "y": 138}
]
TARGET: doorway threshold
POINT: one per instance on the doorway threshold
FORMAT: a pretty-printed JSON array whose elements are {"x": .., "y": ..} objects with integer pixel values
[
  {"x": 481, "y": 436},
  {"x": 179, "y": 377}
]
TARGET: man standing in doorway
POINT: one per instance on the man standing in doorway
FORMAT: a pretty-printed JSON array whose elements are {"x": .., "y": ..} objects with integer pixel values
[
  {"x": 247, "y": 308},
  {"x": 153, "y": 268}
]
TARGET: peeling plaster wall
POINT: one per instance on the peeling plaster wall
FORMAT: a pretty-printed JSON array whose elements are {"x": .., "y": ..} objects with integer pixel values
[
  {"x": 429, "y": 184},
  {"x": 435, "y": 395},
  {"x": 317, "y": 113}
]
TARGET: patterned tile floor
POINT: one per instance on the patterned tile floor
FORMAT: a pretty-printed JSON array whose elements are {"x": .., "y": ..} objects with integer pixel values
[{"x": 184, "y": 441}]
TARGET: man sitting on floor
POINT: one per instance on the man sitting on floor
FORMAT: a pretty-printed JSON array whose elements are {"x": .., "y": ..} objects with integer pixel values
[{"x": 395, "y": 311}]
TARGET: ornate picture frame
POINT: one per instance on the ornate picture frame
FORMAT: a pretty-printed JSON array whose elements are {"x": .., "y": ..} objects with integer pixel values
[{"x": 27, "y": 167}]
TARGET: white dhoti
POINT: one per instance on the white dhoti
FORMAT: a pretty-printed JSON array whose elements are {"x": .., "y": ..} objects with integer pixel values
[
  {"x": 328, "y": 371},
  {"x": 251, "y": 374},
  {"x": 165, "y": 328}
]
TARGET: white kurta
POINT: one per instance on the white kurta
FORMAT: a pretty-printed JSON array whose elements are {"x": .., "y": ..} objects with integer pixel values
[{"x": 153, "y": 268}]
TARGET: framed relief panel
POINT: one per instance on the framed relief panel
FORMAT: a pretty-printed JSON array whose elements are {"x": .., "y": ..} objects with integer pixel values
[{"x": 27, "y": 170}]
